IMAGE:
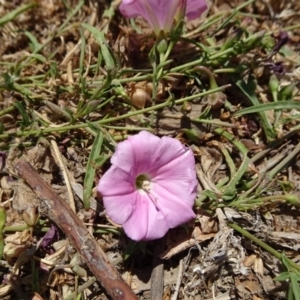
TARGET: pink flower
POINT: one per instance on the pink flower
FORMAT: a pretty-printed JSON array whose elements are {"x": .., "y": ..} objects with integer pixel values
[
  {"x": 150, "y": 187},
  {"x": 160, "y": 14}
]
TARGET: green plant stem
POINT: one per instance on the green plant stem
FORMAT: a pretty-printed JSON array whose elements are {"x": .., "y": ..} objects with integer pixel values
[
  {"x": 7, "y": 110},
  {"x": 208, "y": 23},
  {"x": 251, "y": 203},
  {"x": 262, "y": 244},
  {"x": 14, "y": 228},
  {"x": 127, "y": 128},
  {"x": 230, "y": 188},
  {"x": 108, "y": 120},
  {"x": 226, "y": 70}
]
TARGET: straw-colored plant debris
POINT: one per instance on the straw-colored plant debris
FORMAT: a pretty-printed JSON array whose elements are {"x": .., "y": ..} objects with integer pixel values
[{"x": 186, "y": 119}]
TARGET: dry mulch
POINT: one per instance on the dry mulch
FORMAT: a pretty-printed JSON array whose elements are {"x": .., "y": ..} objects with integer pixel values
[{"x": 54, "y": 86}]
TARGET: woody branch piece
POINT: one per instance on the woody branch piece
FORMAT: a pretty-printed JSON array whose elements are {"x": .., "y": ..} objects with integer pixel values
[{"x": 60, "y": 213}]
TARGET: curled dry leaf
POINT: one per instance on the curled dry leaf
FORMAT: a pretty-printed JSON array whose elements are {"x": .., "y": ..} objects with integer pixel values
[
  {"x": 16, "y": 244},
  {"x": 179, "y": 240}
]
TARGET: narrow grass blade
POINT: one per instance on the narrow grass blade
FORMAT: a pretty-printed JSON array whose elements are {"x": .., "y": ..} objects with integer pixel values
[
  {"x": 99, "y": 36},
  {"x": 23, "y": 113},
  {"x": 269, "y": 106},
  {"x": 295, "y": 286},
  {"x": 13, "y": 14},
  {"x": 34, "y": 44},
  {"x": 244, "y": 87},
  {"x": 283, "y": 276},
  {"x": 90, "y": 169}
]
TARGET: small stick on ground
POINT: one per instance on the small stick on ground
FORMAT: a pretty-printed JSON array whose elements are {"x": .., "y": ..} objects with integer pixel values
[
  {"x": 58, "y": 158},
  {"x": 60, "y": 213},
  {"x": 178, "y": 281},
  {"x": 157, "y": 275}
]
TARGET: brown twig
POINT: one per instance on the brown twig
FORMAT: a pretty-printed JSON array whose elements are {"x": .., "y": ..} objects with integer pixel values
[
  {"x": 60, "y": 213},
  {"x": 157, "y": 275}
]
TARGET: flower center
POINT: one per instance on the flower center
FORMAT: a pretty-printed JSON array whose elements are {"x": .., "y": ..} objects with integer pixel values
[{"x": 142, "y": 182}]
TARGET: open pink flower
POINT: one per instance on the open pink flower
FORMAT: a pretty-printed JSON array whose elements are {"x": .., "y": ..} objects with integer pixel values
[
  {"x": 151, "y": 186},
  {"x": 160, "y": 14}
]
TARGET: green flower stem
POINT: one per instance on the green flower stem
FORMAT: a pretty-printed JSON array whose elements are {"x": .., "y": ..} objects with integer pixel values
[
  {"x": 263, "y": 245},
  {"x": 154, "y": 92},
  {"x": 212, "y": 80},
  {"x": 158, "y": 71},
  {"x": 169, "y": 49}
]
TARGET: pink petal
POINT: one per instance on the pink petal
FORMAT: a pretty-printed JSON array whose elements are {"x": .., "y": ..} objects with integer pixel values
[
  {"x": 176, "y": 210},
  {"x": 146, "y": 222},
  {"x": 145, "y": 152},
  {"x": 170, "y": 153},
  {"x": 116, "y": 182},
  {"x": 183, "y": 189},
  {"x": 195, "y": 8},
  {"x": 120, "y": 207},
  {"x": 137, "y": 154},
  {"x": 179, "y": 173},
  {"x": 158, "y": 13}
]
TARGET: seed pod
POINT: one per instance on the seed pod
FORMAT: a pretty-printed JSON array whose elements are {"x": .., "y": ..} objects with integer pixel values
[
  {"x": 139, "y": 97},
  {"x": 286, "y": 93},
  {"x": 215, "y": 100},
  {"x": 30, "y": 216}
]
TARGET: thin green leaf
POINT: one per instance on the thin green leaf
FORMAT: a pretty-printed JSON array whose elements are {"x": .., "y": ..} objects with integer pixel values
[
  {"x": 283, "y": 276},
  {"x": 269, "y": 106},
  {"x": 210, "y": 194},
  {"x": 101, "y": 160},
  {"x": 289, "y": 53},
  {"x": 39, "y": 58},
  {"x": 229, "y": 189},
  {"x": 90, "y": 169},
  {"x": 295, "y": 286},
  {"x": 23, "y": 113},
  {"x": 34, "y": 44},
  {"x": 227, "y": 21},
  {"x": 249, "y": 92},
  {"x": 100, "y": 38},
  {"x": 13, "y": 14}
]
